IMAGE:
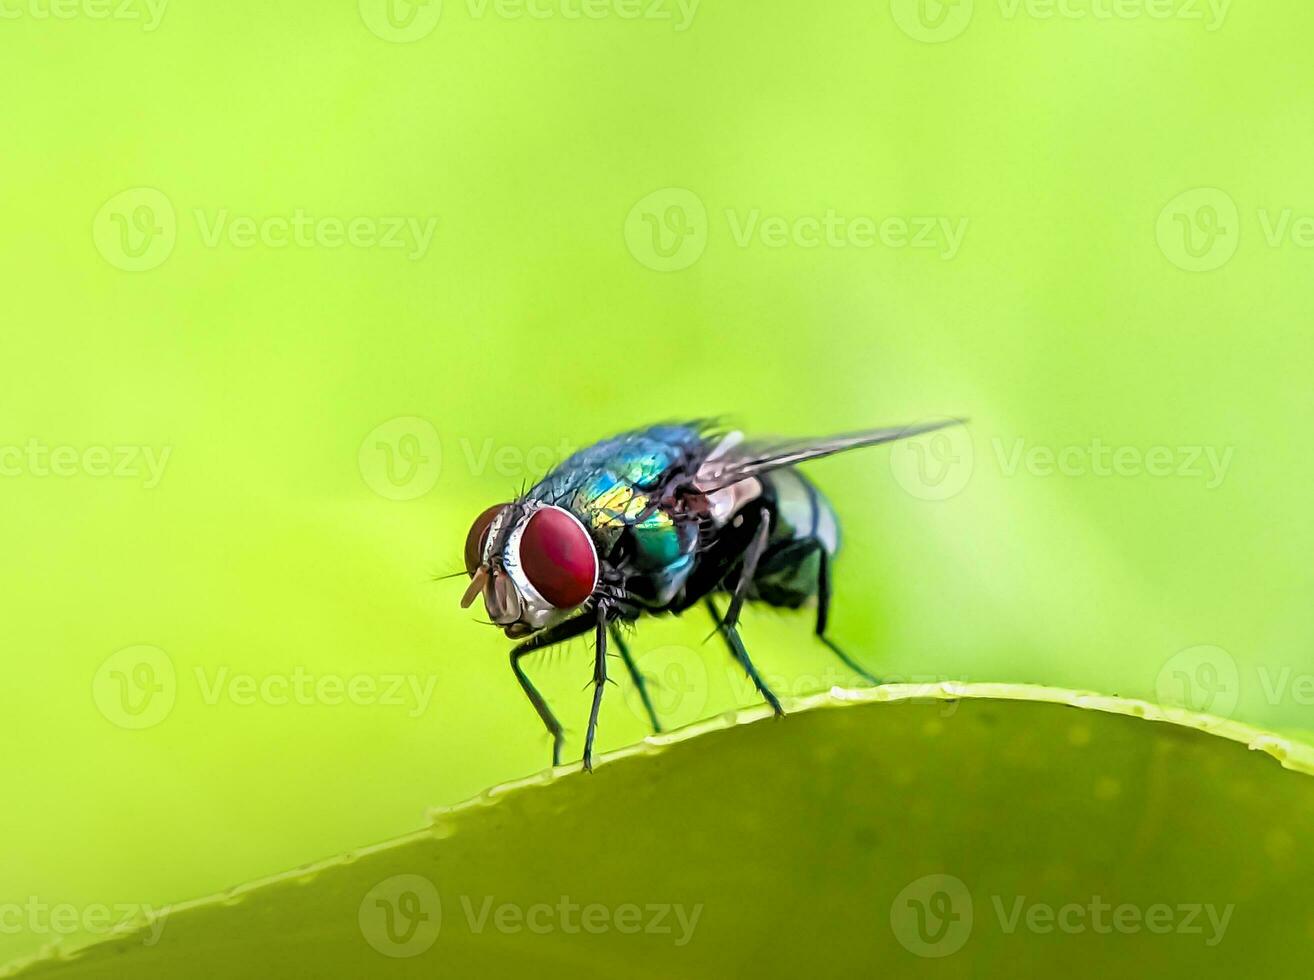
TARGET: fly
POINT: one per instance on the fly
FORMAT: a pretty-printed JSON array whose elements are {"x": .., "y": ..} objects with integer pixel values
[{"x": 659, "y": 520}]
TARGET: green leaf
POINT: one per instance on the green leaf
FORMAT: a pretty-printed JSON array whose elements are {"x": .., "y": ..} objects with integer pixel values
[{"x": 954, "y": 830}]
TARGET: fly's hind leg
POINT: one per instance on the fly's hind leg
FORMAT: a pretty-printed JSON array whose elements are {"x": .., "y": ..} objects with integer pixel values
[
  {"x": 640, "y": 681},
  {"x": 728, "y": 627},
  {"x": 823, "y": 613}
]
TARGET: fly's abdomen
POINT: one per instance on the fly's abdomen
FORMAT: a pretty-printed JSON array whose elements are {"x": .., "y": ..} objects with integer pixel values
[{"x": 804, "y": 526}]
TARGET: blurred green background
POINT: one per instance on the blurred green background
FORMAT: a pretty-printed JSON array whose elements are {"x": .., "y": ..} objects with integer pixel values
[{"x": 324, "y": 280}]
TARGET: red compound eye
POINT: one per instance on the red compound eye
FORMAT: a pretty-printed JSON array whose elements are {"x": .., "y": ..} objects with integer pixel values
[
  {"x": 558, "y": 557},
  {"x": 478, "y": 537}
]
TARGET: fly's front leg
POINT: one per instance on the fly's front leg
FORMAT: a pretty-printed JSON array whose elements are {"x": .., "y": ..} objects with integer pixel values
[
  {"x": 599, "y": 682},
  {"x": 548, "y": 637},
  {"x": 823, "y": 613},
  {"x": 640, "y": 681}
]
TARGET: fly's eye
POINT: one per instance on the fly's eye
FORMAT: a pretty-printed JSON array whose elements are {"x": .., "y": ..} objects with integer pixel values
[
  {"x": 558, "y": 557},
  {"x": 478, "y": 537}
]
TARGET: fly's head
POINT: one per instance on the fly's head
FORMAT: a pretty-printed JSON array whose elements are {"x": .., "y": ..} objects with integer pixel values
[{"x": 534, "y": 563}]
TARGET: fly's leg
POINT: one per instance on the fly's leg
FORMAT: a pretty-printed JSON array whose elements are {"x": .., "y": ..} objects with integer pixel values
[
  {"x": 729, "y": 626},
  {"x": 823, "y": 613},
  {"x": 556, "y": 634},
  {"x": 751, "y": 557},
  {"x": 737, "y": 651},
  {"x": 599, "y": 682},
  {"x": 640, "y": 681}
]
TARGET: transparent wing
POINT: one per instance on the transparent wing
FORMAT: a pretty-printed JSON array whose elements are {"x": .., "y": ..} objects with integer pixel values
[{"x": 752, "y": 458}]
